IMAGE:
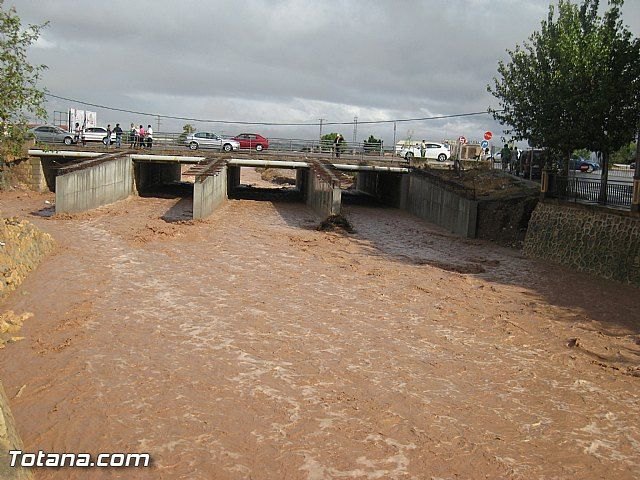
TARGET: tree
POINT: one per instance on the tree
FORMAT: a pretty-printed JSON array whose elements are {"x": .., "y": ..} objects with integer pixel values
[
  {"x": 372, "y": 144},
  {"x": 574, "y": 84},
  {"x": 19, "y": 92},
  {"x": 188, "y": 129},
  {"x": 625, "y": 155}
]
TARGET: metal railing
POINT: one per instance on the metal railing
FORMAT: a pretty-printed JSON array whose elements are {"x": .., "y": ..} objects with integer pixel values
[{"x": 588, "y": 190}]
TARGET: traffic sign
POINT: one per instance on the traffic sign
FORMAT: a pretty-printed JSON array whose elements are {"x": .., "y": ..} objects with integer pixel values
[
  {"x": 462, "y": 140},
  {"x": 488, "y": 135},
  {"x": 484, "y": 144}
]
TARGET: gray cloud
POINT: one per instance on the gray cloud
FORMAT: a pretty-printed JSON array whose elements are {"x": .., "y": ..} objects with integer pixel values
[{"x": 285, "y": 61}]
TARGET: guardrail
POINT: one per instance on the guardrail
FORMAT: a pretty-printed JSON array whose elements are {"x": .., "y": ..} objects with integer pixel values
[
  {"x": 353, "y": 150},
  {"x": 588, "y": 190}
]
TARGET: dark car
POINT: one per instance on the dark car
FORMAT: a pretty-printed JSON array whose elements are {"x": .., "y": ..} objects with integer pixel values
[
  {"x": 633, "y": 166},
  {"x": 251, "y": 141},
  {"x": 532, "y": 162},
  {"x": 583, "y": 165}
]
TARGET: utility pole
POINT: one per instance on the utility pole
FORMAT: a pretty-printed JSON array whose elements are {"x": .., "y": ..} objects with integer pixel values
[
  {"x": 394, "y": 137},
  {"x": 320, "y": 137},
  {"x": 355, "y": 129},
  {"x": 158, "y": 120}
]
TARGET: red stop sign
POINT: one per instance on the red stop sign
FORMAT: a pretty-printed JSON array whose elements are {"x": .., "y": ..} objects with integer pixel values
[{"x": 488, "y": 135}]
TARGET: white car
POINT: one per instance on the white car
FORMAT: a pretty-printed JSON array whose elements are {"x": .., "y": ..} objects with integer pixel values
[
  {"x": 211, "y": 140},
  {"x": 97, "y": 134},
  {"x": 434, "y": 151}
]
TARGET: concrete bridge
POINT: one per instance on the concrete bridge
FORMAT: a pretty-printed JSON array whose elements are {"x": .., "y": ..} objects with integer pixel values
[{"x": 84, "y": 180}]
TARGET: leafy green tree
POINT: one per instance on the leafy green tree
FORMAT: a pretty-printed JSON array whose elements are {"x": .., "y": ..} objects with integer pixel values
[
  {"x": 574, "y": 84},
  {"x": 372, "y": 144},
  {"x": 187, "y": 129},
  {"x": 581, "y": 153},
  {"x": 327, "y": 141},
  {"x": 625, "y": 155},
  {"x": 19, "y": 92}
]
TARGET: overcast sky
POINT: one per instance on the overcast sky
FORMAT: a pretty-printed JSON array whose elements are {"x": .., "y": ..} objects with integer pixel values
[{"x": 285, "y": 61}]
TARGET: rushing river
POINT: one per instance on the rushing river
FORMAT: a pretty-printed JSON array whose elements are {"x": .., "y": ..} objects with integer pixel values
[{"x": 250, "y": 345}]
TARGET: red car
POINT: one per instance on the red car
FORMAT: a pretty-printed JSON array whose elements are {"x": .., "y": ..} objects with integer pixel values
[{"x": 252, "y": 140}]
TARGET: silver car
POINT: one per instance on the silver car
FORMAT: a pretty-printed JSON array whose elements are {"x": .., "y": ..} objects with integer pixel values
[
  {"x": 210, "y": 140},
  {"x": 51, "y": 134}
]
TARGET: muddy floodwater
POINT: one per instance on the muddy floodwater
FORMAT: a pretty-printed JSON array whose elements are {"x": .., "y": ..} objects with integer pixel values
[{"x": 252, "y": 346}]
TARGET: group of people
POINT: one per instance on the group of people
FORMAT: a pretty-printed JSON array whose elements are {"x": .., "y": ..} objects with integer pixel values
[
  {"x": 510, "y": 159},
  {"x": 139, "y": 137}
]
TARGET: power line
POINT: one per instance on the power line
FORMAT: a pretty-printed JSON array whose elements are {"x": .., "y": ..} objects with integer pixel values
[{"x": 275, "y": 124}]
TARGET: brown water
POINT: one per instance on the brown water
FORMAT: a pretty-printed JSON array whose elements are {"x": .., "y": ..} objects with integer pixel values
[{"x": 250, "y": 345}]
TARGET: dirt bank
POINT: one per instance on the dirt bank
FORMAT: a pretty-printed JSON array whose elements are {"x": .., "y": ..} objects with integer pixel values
[{"x": 251, "y": 345}]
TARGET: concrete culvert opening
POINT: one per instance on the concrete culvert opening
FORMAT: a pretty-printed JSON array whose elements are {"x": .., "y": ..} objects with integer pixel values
[
  {"x": 165, "y": 180},
  {"x": 267, "y": 184}
]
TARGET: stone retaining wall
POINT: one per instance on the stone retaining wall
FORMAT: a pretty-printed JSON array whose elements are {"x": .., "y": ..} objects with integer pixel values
[{"x": 592, "y": 239}]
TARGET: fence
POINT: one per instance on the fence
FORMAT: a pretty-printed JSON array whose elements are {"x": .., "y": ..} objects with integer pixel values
[{"x": 588, "y": 190}]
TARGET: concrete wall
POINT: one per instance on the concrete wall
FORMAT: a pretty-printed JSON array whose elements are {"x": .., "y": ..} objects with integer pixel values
[
  {"x": 91, "y": 187},
  {"x": 149, "y": 175},
  {"x": 31, "y": 172},
  {"x": 209, "y": 192},
  {"x": 592, "y": 239},
  {"x": 434, "y": 203},
  {"x": 321, "y": 195}
]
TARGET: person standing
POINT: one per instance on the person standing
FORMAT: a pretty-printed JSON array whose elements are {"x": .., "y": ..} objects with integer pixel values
[
  {"x": 107, "y": 140},
  {"x": 149, "y": 136},
  {"x": 118, "y": 132},
  {"x": 77, "y": 133},
  {"x": 141, "y": 135},
  {"x": 513, "y": 167},
  {"x": 133, "y": 136},
  {"x": 423, "y": 149},
  {"x": 337, "y": 144},
  {"x": 505, "y": 156}
]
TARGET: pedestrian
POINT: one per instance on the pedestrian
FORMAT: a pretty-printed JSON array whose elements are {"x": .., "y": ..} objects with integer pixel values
[
  {"x": 337, "y": 145},
  {"x": 423, "y": 149},
  {"x": 505, "y": 156},
  {"x": 107, "y": 139},
  {"x": 77, "y": 133},
  {"x": 513, "y": 166},
  {"x": 149, "y": 136},
  {"x": 118, "y": 132},
  {"x": 141, "y": 135}
]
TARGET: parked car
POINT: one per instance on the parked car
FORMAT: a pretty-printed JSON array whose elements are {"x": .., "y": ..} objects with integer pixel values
[
  {"x": 252, "y": 140},
  {"x": 51, "y": 134},
  {"x": 97, "y": 134},
  {"x": 532, "y": 162},
  {"x": 583, "y": 165},
  {"x": 435, "y": 151},
  {"x": 211, "y": 140}
]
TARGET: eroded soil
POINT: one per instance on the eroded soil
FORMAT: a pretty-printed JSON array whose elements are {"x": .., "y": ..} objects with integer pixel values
[{"x": 251, "y": 345}]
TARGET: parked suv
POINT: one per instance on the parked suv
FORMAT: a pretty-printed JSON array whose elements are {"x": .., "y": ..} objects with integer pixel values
[{"x": 210, "y": 140}]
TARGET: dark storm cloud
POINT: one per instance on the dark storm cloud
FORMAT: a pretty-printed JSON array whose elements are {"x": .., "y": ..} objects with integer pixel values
[{"x": 285, "y": 61}]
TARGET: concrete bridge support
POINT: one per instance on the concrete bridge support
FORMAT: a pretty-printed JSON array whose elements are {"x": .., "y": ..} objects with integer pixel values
[
  {"x": 209, "y": 192},
  {"x": 322, "y": 191},
  {"x": 93, "y": 183}
]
